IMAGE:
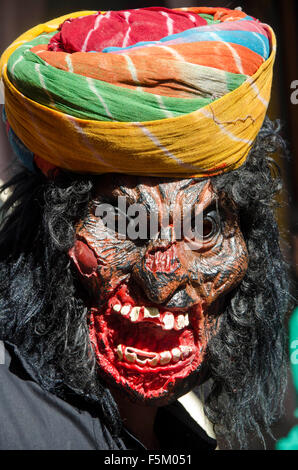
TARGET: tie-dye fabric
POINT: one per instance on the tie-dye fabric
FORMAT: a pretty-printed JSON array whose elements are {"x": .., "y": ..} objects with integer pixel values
[
  {"x": 121, "y": 28},
  {"x": 124, "y": 87},
  {"x": 146, "y": 81}
]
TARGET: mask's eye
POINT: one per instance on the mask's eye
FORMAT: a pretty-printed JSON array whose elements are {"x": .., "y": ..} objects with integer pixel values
[
  {"x": 206, "y": 228},
  {"x": 211, "y": 225}
]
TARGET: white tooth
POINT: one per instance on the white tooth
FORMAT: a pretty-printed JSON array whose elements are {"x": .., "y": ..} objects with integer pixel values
[
  {"x": 186, "y": 320},
  {"x": 184, "y": 350},
  {"x": 131, "y": 357},
  {"x": 117, "y": 307},
  {"x": 165, "y": 357},
  {"x": 119, "y": 352},
  {"x": 151, "y": 312},
  {"x": 180, "y": 322},
  {"x": 134, "y": 314},
  {"x": 176, "y": 353},
  {"x": 125, "y": 310},
  {"x": 146, "y": 312},
  {"x": 168, "y": 320},
  {"x": 141, "y": 362},
  {"x": 153, "y": 362}
]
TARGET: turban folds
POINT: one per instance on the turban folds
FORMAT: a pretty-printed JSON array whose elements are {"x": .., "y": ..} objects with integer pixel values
[{"x": 150, "y": 91}]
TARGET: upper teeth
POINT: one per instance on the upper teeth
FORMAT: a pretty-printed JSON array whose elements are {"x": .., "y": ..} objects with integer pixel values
[
  {"x": 134, "y": 314},
  {"x": 151, "y": 312},
  {"x": 125, "y": 310},
  {"x": 177, "y": 323},
  {"x": 167, "y": 320},
  {"x": 180, "y": 322}
]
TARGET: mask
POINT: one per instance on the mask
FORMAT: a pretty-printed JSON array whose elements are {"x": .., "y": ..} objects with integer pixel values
[{"x": 155, "y": 301}]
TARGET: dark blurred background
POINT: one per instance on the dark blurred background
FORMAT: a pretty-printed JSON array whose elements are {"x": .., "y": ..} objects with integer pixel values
[{"x": 17, "y": 16}]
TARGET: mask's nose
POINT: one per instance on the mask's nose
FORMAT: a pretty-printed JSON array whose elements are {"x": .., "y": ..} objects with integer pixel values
[
  {"x": 161, "y": 274},
  {"x": 162, "y": 259}
]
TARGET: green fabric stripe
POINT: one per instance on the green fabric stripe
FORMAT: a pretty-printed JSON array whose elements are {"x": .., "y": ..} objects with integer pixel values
[
  {"x": 71, "y": 94},
  {"x": 93, "y": 99},
  {"x": 209, "y": 18},
  {"x": 234, "y": 80}
]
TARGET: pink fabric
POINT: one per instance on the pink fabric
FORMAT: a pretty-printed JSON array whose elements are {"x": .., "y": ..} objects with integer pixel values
[
  {"x": 240, "y": 25},
  {"x": 95, "y": 32}
]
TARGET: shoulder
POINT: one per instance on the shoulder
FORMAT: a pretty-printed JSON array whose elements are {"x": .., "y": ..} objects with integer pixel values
[{"x": 35, "y": 419}]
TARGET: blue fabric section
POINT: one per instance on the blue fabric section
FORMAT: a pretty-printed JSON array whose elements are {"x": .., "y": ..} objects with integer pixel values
[
  {"x": 20, "y": 150},
  {"x": 23, "y": 154},
  {"x": 4, "y": 117},
  {"x": 247, "y": 18},
  {"x": 256, "y": 42}
]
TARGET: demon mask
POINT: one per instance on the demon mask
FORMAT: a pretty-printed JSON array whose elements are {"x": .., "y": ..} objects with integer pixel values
[{"x": 154, "y": 303}]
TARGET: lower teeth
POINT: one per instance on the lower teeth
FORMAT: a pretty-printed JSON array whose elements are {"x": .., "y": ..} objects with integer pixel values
[{"x": 142, "y": 358}]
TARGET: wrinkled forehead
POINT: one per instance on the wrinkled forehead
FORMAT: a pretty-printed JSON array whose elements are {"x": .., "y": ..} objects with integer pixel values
[{"x": 154, "y": 190}]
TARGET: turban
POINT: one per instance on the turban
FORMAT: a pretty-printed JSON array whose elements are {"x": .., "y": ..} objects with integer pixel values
[{"x": 151, "y": 91}]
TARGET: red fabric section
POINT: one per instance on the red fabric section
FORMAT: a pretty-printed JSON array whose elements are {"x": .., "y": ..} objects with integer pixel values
[
  {"x": 121, "y": 28},
  {"x": 48, "y": 169}
]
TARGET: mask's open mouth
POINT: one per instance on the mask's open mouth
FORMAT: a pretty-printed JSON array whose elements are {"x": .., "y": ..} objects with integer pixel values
[
  {"x": 146, "y": 347},
  {"x": 149, "y": 337}
]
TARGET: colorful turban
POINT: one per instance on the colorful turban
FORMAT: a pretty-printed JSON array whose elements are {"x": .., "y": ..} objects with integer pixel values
[{"x": 150, "y": 91}]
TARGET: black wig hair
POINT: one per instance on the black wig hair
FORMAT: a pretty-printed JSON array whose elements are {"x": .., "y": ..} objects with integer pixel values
[{"x": 42, "y": 310}]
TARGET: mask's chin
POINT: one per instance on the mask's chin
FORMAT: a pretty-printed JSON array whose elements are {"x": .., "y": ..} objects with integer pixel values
[{"x": 153, "y": 354}]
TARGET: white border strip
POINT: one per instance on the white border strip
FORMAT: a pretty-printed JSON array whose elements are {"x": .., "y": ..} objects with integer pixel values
[{"x": 2, "y": 353}]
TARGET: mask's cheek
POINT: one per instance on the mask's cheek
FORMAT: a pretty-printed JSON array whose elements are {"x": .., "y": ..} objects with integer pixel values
[
  {"x": 223, "y": 272},
  {"x": 86, "y": 264},
  {"x": 101, "y": 265},
  {"x": 83, "y": 258}
]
